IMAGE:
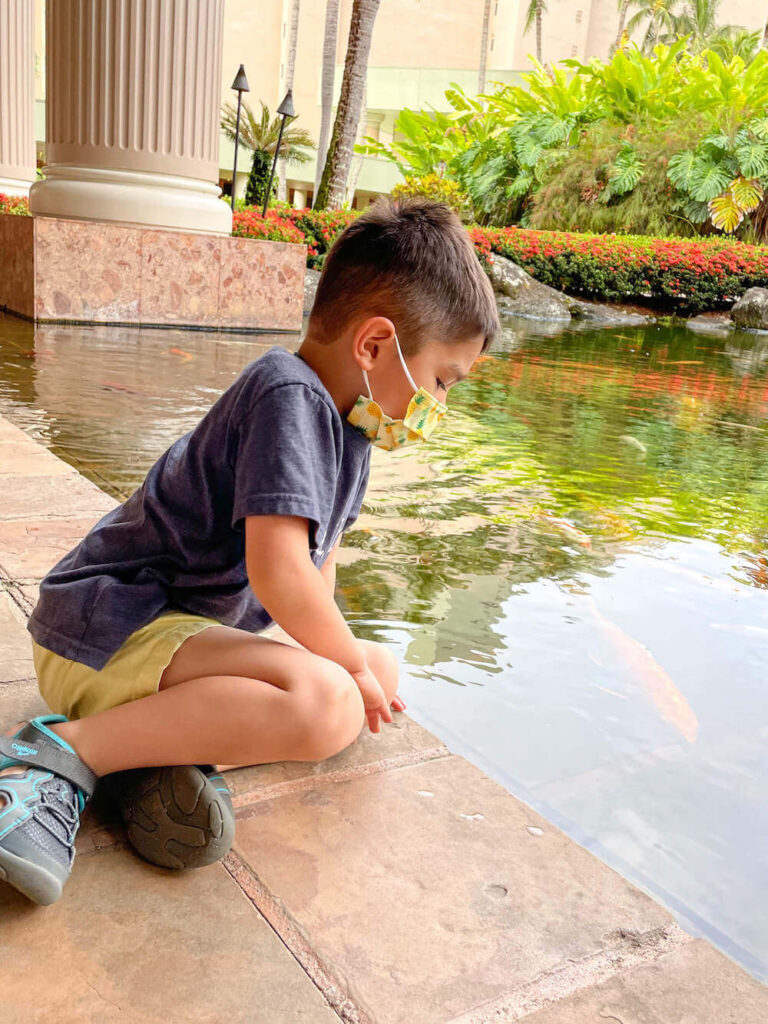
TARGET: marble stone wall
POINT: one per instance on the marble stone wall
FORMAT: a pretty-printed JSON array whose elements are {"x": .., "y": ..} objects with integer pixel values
[{"x": 106, "y": 273}]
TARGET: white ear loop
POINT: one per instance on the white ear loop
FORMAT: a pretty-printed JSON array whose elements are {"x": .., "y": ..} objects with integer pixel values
[{"x": 407, "y": 372}]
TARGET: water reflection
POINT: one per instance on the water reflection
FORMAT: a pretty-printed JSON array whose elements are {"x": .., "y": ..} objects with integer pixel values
[{"x": 573, "y": 572}]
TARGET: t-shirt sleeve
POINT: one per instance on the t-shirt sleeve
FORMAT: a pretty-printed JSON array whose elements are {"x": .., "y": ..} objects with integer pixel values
[{"x": 284, "y": 458}]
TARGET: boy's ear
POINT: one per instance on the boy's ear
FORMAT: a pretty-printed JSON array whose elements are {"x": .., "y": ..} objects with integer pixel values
[{"x": 370, "y": 338}]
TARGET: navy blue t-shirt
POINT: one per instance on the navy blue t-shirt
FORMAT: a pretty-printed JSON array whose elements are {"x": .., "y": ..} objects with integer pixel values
[{"x": 273, "y": 444}]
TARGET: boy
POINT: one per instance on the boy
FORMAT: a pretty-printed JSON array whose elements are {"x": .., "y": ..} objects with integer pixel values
[{"x": 145, "y": 636}]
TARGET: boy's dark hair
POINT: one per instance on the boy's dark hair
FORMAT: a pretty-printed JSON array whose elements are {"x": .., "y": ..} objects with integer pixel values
[{"x": 411, "y": 260}]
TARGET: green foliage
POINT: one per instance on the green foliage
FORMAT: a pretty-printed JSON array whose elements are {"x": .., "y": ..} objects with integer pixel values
[
  {"x": 432, "y": 186},
  {"x": 258, "y": 179},
  {"x": 579, "y": 145}
]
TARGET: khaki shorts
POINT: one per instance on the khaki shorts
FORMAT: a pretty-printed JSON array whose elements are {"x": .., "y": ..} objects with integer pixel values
[{"x": 134, "y": 670}]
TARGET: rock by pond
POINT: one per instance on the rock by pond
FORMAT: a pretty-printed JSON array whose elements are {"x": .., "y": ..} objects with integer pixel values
[{"x": 751, "y": 310}]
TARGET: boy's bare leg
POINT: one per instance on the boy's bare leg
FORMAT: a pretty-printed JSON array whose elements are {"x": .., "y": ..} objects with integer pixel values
[{"x": 234, "y": 698}]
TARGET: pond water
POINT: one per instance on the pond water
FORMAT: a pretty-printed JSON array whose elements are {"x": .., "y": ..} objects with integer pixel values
[{"x": 574, "y": 572}]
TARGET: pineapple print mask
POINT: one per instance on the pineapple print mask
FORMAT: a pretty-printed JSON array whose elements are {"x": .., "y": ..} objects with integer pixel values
[{"x": 423, "y": 414}]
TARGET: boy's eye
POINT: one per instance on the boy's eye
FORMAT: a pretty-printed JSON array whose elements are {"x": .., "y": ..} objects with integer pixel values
[{"x": 440, "y": 385}]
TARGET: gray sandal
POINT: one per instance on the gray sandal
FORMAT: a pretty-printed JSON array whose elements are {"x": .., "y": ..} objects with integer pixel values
[
  {"x": 43, "y": 798},
  {"x": 179, "y": 816}
]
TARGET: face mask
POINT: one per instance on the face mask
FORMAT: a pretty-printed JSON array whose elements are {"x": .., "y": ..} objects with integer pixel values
[{"x": 422, "y": 416}]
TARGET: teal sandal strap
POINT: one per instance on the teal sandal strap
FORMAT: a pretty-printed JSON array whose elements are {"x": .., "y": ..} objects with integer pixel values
[{"x": 33, "y": 747}]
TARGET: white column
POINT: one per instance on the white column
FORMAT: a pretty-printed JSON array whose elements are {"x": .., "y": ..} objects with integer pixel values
[
  {"x": 132, "y": 113},
  {"x": 17, "y": 96}
]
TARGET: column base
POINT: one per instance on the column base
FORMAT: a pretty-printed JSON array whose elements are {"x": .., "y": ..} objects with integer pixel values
[
  {"x": 131, "y": 198},
  {"x": 15, "y": 186}
]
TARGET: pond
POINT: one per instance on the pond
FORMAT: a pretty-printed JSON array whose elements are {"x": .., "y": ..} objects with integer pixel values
[{"x": 574, "y": 572}]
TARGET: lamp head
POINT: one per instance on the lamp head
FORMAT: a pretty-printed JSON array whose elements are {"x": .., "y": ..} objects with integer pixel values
[
  {"x": 286, "y": 107},
  {"x": 240, "y": 83}
]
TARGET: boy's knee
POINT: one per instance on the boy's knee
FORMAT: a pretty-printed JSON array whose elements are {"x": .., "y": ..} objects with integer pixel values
[{"x": 334, "y": 713}]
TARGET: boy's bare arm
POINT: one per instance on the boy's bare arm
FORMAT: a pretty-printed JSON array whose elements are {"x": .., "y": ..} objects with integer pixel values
[
  {"x": 328, "y": 569},
  {"x": 297, "y": 594}
]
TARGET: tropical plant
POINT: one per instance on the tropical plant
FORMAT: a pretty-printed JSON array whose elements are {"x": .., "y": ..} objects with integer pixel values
[
  {"x": 260, "y": 135},
  {"x": 658, "y": 17},
  {"x": 334, "y": 179},
  {"x": 442, "y": 190}
]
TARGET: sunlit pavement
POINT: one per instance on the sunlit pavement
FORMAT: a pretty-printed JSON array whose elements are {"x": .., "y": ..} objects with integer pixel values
[{"x": 392, "y": 883}]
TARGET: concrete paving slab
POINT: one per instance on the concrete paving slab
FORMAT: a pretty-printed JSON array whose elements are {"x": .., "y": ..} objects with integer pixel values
[
  {"x": 32, "y": 497},
  {"x": 19, "y": 702},
  {"x": 694, "y": 984},
  {"x": 15, "y": 642},
  {"x": 129, "y": 942},
  {"x": 400, "y": 742},
  {"x": 431, "y": 890},
  {"x": 10, "y": 432},
  {"x": 30, "y": 547},
  {"x": 29, "y": 458}
]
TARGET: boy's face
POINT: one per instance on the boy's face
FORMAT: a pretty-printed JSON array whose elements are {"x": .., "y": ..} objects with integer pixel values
[{"x": 436, "y": 367}]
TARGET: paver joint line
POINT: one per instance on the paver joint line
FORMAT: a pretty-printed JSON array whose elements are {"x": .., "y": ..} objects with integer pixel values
[
  {"x": 332, "y": 988},
  {"x": 632, "y": 950},
  {"x": 277, "y": 789}
]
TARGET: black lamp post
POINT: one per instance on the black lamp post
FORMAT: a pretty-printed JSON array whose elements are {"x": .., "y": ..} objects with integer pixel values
[
  {"x": 240, "y": 85},
  {"x": 285, "y": 110}
]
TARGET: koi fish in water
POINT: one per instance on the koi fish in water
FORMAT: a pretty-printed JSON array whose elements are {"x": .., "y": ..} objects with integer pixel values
[
  {"x": 180, "y": 352},
  {"x": 669, "y": 702}
]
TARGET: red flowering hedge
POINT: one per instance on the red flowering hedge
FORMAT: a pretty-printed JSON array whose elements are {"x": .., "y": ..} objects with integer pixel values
[
  {"x": 687, "y": 276},
  {"x": 14, "y": 204},
  {"x": 318, "y": 229}
]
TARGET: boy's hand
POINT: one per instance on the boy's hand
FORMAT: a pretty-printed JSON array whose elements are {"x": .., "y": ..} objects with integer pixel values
[{"x": 373, "y": 698}]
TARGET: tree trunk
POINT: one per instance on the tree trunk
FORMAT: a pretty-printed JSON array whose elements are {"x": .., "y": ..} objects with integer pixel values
[
  {"x": 289, "y": 72},
  {"x": 333, "y": 183},
  {"x": 357, "y": 159},
  {"x": 326, "y": 88},
  {"x": 622, "y": 20},
  {"x": 484, "y": 47},
  {"x": 538, "y": 31}
]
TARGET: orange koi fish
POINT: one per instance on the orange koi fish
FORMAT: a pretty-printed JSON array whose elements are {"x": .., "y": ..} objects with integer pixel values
[{"x": 669, "y": 702}]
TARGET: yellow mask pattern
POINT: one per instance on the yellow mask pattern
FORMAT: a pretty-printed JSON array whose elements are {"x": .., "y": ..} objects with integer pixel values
[{"x": 423, "y": 414}]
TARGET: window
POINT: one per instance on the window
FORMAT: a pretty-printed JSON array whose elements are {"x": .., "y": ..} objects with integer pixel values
[
  {"x": 578, "y": 17},
  {"x": 574, "y": 51},
  {"x": 492, "y": 41}
]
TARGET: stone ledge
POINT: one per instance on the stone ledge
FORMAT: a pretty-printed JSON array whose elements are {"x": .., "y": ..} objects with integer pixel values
[{"x": 78, "y": 271}]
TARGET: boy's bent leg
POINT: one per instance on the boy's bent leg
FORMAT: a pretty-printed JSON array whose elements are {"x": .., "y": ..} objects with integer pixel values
[{"x": 251, "y": 701}]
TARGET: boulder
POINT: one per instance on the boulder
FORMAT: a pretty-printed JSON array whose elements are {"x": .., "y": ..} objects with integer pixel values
[
  {"x": 519, "y": 293},
  {"x": 708, "y": 324},
  {"x": 311, "y": 277},
  {"x": 751, "y": 310},
  {"x": 604, "y": 316}
]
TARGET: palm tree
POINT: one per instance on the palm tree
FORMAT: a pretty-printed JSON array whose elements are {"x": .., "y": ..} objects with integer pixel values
[
  {"x": 289, "y": 72},
  {"x": 741, "y": 43},
  {"x": 336, "y": 170},
  {"x": 623, "y": 5},
  {"x": 484, "y": 47},
  {"x": 357, "y": 160},
  {"x": 660, "y": 17},
  {"x": 260, "y": 135},
  {"x": 326, "y": 86},
  {"x": 535, "y": 10},
  {"x": 699, "y": 21}
]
